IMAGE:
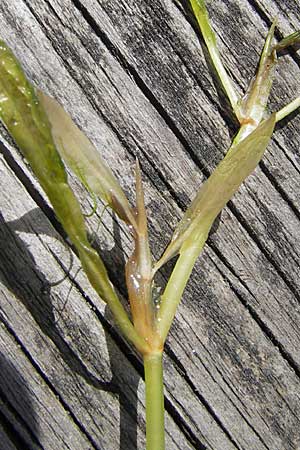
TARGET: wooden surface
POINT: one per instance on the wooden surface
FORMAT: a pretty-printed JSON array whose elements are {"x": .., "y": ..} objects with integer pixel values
[{"x": 133, "y": 74}]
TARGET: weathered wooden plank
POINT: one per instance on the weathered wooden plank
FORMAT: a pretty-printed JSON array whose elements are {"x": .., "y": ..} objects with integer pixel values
[
  {"x": 232, "y": 370},
  {"x": 40, "y": 410}
]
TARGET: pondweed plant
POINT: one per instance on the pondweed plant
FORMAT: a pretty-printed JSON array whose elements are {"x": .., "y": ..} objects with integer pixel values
[{"x": 48, "y": 139}]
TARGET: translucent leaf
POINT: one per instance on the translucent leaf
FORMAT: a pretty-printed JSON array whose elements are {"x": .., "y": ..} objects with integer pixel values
[
  {"x": 84, "y": 160},
  {"x": 253, "y": 105},
  {"x": 218, "y": 189},
  {"x": 139, "y": 270}
]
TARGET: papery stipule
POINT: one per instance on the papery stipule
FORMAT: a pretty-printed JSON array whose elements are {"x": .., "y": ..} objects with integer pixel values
[{"x": 139, "y": 271}]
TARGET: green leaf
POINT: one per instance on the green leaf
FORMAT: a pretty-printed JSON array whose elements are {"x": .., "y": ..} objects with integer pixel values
[
  {"x": 201, "y": 14},
  {"x": 26, "y": 120},
  {"x": 218, "y": 189},
  {"x": 289, "y": 41},
  {"x": 254, "y": 103},
  {"x": 288, "y": 109},
  {"x": 84, "y": 160}
]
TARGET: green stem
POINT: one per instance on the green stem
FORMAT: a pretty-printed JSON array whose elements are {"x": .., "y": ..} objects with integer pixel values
[
  {"x": 288, "y": 109},
  {"x": 155, "y": 426},
  {"x": 176, "y": 285}
]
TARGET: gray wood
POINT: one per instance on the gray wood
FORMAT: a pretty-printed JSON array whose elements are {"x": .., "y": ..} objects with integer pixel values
[
  {"x": 134, "y": 77},
  {"x": 5, "y": 440}
]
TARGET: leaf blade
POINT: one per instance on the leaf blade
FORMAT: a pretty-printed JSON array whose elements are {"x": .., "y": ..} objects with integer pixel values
[
  {"x": 218, "y": 189},
  {"x": 201, "y": 14},
  {"x": 84, "y": 160}
]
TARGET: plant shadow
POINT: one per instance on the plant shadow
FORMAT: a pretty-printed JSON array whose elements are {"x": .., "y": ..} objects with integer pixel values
[
  {"x": 20, "y": 274},
  {"x": 125, "y": 380}
]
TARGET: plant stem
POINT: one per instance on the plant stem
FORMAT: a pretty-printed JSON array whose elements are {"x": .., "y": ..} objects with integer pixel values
[
  {"x": 176, "y": 285},
  {"x": 288, "y": 109},
  {"x": 155, "y": 426}
]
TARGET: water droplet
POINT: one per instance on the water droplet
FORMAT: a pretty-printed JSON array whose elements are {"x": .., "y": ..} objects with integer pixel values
[{"x": 135, "y": 281}]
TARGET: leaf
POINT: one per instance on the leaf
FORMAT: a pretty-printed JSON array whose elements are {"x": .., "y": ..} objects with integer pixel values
[
  {"x": 201, "y": 14},
  {"x": 289, "y": 41},
  {"x": 218, "y": 189},
  {"x": 26, "y": 121},
  {"x": 84, "y": 160},
  {"x": 253, "y": 105},
  {"x": 139, "y": 270}
]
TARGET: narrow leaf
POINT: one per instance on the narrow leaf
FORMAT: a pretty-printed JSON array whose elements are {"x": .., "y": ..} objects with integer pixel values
[
  {"x": 288, "y": 109},
  {"x": 26, "y": 121},
  {"x": 289, "y": 41},
  {"x": 218, "y": 190},
  {"x": 253, "y": 105},
  {"x": 84, "y": 160},
  {"x": 209, "y": 37}
]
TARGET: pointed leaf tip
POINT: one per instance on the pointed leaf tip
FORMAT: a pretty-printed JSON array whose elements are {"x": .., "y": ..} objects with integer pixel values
[
  {"x": 218, "y": 189},
  {"x": 84, "y": 160}
]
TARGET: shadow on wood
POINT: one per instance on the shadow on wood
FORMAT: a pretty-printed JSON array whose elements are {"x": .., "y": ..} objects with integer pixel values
[
  {"x": 17, "y": 416},
  {"x": 26, "y": 278}
]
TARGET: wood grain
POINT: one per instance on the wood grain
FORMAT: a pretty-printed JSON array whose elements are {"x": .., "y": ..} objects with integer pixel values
[{"x": 134, "y": 76}]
